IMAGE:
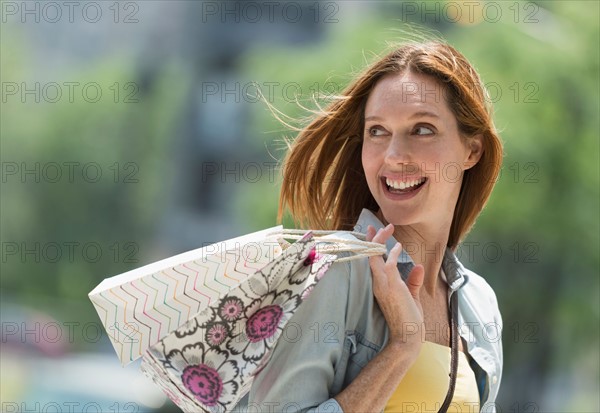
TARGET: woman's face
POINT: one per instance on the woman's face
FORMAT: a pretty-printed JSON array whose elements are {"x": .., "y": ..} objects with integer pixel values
[{"x": 412, "y": 154}]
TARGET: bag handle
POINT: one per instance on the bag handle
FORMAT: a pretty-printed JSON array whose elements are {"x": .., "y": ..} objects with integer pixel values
[{"x": 359, "y": 247}]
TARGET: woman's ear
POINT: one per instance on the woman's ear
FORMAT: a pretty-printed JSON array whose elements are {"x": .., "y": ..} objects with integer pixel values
[{"x": 475, "y": 150}]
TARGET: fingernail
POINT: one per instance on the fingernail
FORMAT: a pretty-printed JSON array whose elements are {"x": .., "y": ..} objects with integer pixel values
[{"x": 389, "y": 225}]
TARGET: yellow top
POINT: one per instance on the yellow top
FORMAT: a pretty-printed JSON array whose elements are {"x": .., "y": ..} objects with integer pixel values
[{"x": 424, "y": 387}]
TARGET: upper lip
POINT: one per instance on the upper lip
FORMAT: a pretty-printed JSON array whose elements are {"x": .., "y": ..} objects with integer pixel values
[{"x": 402, "y": 177}]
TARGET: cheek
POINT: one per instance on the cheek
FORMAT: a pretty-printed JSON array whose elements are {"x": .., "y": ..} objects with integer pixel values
[
  {"x": 365, "y": 161},
  {"x": 370, "y": 152},
  {"x": 453, "y": 174},
  {"x": 371, "y": 169}
]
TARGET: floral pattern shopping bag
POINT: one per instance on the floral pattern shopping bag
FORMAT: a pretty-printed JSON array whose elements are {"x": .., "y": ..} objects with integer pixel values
[{"x": 208, "y": 363}]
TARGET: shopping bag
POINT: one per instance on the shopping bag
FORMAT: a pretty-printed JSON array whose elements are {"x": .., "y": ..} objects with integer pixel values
[
  {"x": 140, "y": 307},
  {"x": 207, "y": 365}
]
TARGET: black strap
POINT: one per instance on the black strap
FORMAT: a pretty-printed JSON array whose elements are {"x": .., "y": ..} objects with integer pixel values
[{"x": 454, "y": 357}]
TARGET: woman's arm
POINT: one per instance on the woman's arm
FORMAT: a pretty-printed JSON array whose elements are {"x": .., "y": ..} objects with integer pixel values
[
  {"x": 372, "y": 388},
  {"x": 399, "y": 303},
  {"x": 302, "y": 367}
]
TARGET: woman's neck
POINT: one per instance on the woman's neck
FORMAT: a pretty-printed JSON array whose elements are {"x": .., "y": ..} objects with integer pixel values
[{"x": 426, "y": 246}]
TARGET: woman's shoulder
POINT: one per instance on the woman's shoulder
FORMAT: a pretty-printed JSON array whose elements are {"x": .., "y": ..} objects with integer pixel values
[
  {"x": 348, "y": 278},
  {"x": 348, "y": 264},
  {"x": 479, "y": 285},
  {"x": 362, "y": 313},
  {"x": 468, "y": 280},
  {"x": 483, "y": 303},
  {"x": 340, "y": 280}
]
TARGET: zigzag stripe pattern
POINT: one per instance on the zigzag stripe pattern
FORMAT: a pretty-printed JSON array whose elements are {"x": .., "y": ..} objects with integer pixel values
[{"x": 138, "y": 312}]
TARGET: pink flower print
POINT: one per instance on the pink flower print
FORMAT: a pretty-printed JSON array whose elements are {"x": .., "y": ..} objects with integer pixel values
[
  {"x": 311, "y": 258},
  {"x": 263, "y": 324},
  {"x": 313, "y": 265},
  {"x": 205, "y": 374},
  {"x": 321, "y": 272},
  {"x": 203, "y": 382},
  {"x": 257, "y": 332},
  {"x": 187, "y": 329},
  {"x": 231, "y": 309},
  {"x": 216, "y": 334},
  {"x": 307, "y": 292}
]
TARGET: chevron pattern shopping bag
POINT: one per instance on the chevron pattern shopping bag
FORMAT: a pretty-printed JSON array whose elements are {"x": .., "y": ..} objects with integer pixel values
[{"x": 142, "y": 306}]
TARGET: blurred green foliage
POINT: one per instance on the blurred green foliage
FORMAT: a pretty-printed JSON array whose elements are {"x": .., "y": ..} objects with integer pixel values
[{"x": 110, "y": 208}]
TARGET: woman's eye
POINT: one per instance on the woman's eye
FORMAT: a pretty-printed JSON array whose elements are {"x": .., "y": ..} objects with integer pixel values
[
  {"x": 423, "y": 130},
  {"x": 375, "y": 131}
]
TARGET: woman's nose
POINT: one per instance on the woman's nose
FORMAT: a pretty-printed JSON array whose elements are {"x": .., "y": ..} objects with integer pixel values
[{"x": 398, "y": 151}]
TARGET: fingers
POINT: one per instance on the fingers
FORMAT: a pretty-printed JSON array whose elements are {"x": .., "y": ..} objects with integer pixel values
[
  {"x": 370, "y": 232},
  {"x": 395, "y": 253},
  {"x": 383, "y": 234},
  {"x": 415, "y": 280},
  {"x": 381, "y": 237},
  {"x": 379, "y": 267}
]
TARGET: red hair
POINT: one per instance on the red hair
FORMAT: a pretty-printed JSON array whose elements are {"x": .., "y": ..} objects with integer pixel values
[{"x": 324, "y": 185}]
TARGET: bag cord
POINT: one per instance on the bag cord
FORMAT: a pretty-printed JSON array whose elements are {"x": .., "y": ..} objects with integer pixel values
[{"x": 326, "y": 244}]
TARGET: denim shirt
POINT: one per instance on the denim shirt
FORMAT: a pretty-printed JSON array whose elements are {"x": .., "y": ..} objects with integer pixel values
[{"x": 339, "y": 328}]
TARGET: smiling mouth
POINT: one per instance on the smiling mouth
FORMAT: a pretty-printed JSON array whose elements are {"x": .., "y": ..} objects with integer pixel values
[{"x": 403, "y": 187}]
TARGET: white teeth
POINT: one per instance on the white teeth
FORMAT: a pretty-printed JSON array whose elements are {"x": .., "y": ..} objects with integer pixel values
[{"x": 404, "y": 185}]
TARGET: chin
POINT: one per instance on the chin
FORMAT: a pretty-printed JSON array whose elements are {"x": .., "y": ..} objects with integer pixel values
[{"x": 399, "y": 217}]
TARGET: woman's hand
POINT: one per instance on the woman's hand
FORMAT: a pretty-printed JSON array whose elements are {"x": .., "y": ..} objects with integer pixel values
[{"x": 399, "y": 301}]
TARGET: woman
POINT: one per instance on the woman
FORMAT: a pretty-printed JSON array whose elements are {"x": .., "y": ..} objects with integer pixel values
[{"x": 409, "y": 154}]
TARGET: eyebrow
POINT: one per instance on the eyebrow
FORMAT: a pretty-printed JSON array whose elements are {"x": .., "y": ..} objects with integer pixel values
[
  {"x": 424, "y": 114},
  {"x": 420, "y": 114}
]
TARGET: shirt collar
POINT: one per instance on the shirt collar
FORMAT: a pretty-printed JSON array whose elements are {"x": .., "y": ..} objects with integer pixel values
[{"x": 452, "y": 269}]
